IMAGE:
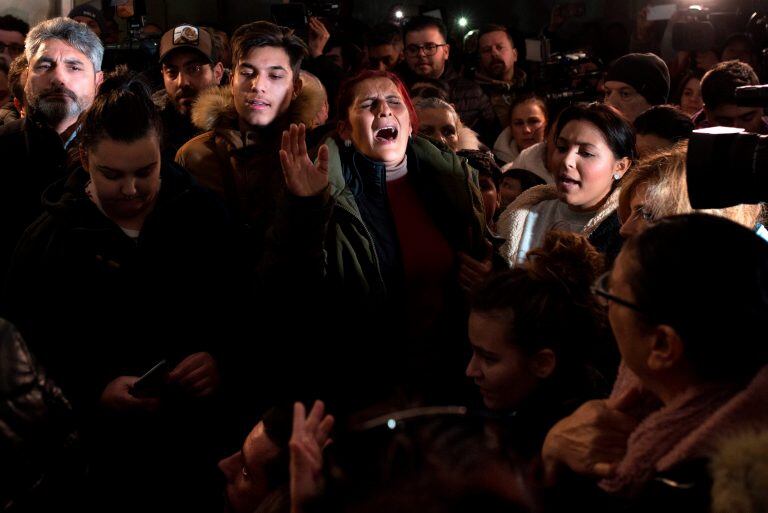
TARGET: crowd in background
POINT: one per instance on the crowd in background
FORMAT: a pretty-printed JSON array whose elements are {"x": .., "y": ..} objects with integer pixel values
[{"x": 373, "y": 270}]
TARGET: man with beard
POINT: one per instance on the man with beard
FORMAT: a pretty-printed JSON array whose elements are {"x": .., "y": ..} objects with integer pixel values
[
  {"x": 64, "y": 71},
  {"x": 426, "y": 57},
  {"x": 497, "y": 73},
  {"x": 190, "y": 64}
]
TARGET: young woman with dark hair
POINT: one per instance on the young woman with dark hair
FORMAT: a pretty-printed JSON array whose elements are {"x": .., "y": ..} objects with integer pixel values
[
  {"x": 594, "y": 148},
  {"x": 127, "y": 268}
]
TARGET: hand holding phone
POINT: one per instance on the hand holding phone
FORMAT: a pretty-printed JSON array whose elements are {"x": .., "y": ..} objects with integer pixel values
[
  {"x": 153, "y": 382},
  {"x": 117, "y": 396},
  {"x": 197, "y": 375}
]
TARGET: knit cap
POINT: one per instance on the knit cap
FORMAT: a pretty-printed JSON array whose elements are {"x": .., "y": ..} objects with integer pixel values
[
  {"x": 646, "y": 72},
  {"x": 88, "y": 11}
]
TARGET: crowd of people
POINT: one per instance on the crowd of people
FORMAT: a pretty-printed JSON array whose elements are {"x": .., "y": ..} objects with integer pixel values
[{"x": 283, "y": 275}]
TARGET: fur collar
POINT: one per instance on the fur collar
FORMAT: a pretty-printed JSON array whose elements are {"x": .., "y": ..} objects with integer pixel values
[
  {"x": 214, "y": 109},
  {"x": 468, "y": 139},
  {"x": 512, "y": 221}
]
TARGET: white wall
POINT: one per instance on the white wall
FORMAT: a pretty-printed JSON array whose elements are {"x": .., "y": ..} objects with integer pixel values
[{"x": 31, "y": 11}]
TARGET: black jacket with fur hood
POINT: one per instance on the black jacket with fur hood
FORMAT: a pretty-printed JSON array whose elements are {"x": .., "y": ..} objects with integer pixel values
[{"x": 242, "y": 168}]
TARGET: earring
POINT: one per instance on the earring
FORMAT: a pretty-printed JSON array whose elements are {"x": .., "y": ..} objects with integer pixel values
[
  {"x": 347, "y": 143},
  {"x": 616, "y": 176}
]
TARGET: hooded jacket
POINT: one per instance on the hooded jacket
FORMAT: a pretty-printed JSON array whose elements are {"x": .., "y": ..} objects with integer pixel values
[
  {"x": 505, "y": 147},
  {"x": 602, "y": 230},
  {"x": 325, "y": 254},
  {"x": 96, "y": 304},
  {"x": 241, "y": 168}
]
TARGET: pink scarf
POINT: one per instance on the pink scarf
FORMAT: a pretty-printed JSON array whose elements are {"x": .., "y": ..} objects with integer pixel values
[{"x": 687, "y": 428}]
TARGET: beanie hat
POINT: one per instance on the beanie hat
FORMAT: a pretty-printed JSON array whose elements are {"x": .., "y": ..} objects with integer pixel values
[
  {"x": 646, "y": 72},
  {"x": 89, "y": 11}
]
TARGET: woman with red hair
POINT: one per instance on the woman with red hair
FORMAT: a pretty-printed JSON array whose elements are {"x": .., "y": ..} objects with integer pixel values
[{"x": 382, "y": 215}]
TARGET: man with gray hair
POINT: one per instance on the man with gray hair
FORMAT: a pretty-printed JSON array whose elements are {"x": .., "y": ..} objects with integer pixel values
[{"x": 64, "y": 72}]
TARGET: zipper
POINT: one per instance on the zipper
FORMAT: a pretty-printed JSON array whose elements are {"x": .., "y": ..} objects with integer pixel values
[{"x": 370, "y": 238}]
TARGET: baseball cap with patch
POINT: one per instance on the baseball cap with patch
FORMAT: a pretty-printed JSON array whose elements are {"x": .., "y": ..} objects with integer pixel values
[{"x": 188, "y": 37}]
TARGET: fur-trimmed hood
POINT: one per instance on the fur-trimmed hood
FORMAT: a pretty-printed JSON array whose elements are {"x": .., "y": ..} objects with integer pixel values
[
  {"x": 512, "y": 221},
  {"x": 740, "y": 473},
  {"x": 468, "y": 139},
  {"x": 505, "y": 146},
  {"x": 215, "y": 109}
]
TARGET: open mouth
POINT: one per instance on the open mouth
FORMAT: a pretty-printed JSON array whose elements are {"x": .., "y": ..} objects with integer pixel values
[
  {"x": 568, "y": 182},
  {"x": 385, "y": 134},
  {"x": 257, "y": 104}
]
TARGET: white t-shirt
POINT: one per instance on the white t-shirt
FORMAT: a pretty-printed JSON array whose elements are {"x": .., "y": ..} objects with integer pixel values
[{"x": 545, "y": 216}]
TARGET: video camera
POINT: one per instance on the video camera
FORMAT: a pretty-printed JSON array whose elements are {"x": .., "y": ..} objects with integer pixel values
[
  {"x": 138, "y": 52},
  {"x": 727, "y": 166},
  {"x": 563, "y": 77}
]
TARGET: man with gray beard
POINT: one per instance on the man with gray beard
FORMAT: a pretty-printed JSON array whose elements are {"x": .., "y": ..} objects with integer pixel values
[{"x": 64, "y": 71}]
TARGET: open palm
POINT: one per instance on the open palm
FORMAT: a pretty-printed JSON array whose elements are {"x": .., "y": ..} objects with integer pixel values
[{"x": 302, "y": 177}]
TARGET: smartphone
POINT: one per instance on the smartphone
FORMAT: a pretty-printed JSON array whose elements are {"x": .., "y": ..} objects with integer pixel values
[
  {"x": 153, "y": 382},
  {"x": 661, "y": 12}
]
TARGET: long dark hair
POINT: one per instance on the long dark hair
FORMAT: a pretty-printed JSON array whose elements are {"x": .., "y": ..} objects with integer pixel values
[
  {"x": 617, "y": 131},
  {"x": 122, "y": 110}
]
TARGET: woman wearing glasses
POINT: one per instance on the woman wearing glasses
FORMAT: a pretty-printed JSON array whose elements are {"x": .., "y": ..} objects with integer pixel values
[
  {"x": 594, "y": 149},
  {"x": 658, "y": 188},
  {"x": 534, "y": 330},
  {"x": 381, "y": 216},
  {"x": 685, "y": 319}
]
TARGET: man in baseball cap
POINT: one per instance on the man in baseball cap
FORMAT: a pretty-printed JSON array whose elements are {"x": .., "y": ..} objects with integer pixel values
[
  {"x": 189, "y": 63},
  {"x": 636, "y": 82}
]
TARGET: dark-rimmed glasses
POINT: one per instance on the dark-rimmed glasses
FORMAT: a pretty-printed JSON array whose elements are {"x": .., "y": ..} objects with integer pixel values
[
  {"x": 600, "y": 288},
  {"x": 14, "y": 50},
  {"x": 429, "y": 49}
]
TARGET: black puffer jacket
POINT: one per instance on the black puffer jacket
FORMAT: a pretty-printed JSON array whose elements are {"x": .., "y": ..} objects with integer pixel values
[{"x": 41, "y": 465}]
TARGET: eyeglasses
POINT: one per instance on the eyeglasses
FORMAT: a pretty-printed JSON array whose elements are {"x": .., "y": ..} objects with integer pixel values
[
  {"x": 191, "y": 69},
  {"x": 429, "y": 49},
  {"x": 600, "y": 288},
  {"x": 14, "y": 50}
]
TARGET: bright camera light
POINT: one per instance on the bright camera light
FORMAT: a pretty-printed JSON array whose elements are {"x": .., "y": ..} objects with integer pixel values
[
  {"x": 463, "y": 22},
  {"x": 399, "y": 14}
]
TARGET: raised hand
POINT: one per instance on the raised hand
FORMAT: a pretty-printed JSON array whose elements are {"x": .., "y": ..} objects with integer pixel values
[
  {"x": 318, "y": 37},
  {"x": 302, "y": 177},
  {"x": 308, "y": 439}
]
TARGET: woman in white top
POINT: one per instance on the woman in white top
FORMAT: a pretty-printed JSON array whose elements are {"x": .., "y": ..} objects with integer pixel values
[
  {"x": 527, "y": 126},
  {"x": 594, "y": 148}
]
